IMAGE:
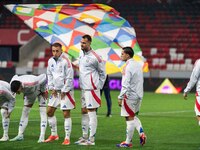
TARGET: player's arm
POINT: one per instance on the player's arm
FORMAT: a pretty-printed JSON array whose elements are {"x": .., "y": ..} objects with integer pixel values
[
  {"x": 69, "y": 75},
  {"x": 125, "y": 84},
  {"x": 102, "y": 73},
  {"x": 193, "y": 79},
  {"x": 50, "y": 77}
]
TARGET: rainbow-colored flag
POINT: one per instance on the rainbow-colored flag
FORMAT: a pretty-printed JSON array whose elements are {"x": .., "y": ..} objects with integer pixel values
[{"x": 67, "y": 23}]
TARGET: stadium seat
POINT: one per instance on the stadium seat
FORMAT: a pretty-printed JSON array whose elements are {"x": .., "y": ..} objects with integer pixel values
[
  {"x": 188, "y": 61},
  {"x": 162, "y": 61},
  {"x": 4, "y": 64},
  {"x": 9, "y": 64},
  {"x": 183, "y": 67},
  {"x": 189, "y": 67},
  {"x": 180, "y": 56},
  {"x": 172, "y": 51},
  {"x": 30, "y": 64},
  {"x": 176, "y": 67},
  {"x": 153, "y": 51},
  {"x": 169, "y": 67},
  {"x": 41, "y": 64},
  {"x": 41, "y": 54}
]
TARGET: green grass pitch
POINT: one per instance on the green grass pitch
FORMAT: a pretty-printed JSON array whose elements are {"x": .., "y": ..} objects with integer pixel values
[{"x": 168, "y": 120}]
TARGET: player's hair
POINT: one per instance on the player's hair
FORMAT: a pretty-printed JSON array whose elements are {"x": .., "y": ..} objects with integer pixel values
[
  {"x": 15, "y": 85},
  {"x": 129, "y": 51},
  {"x": 56, "y": 45},
  {"x": 88, "y": 37}
]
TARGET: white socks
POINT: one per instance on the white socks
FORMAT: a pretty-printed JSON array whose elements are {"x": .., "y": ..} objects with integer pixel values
[
  {"x": 24, "y": 120},
  {"x": 129, "y": 131},
  {"x": 53, "y": 125},
  {"x": 43, "y": 122},
  {"x": 68, "y": 127},
  {"x": 138, "y": 125},
  {"x": 5, "y": 121},
  {"x": 85, "y": 125},
  {"x": 131, "y": 125},
  {"x": 92, "y": 125}
]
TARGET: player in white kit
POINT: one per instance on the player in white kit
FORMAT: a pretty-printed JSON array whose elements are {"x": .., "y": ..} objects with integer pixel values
[
  {"x": 130, "y": 97},
  {"x": 60, "y": 82},
  {"x": 32, "y": 87},
  {"x": 92, "y": 77},
  {"x": 195, "y": 80},
  {"x": 7, "y": 103}
]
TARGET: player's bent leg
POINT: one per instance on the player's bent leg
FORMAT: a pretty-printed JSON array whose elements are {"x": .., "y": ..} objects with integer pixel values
[
  {"x": 53, "y": 125},
  {"x": 5, "y": 124},
  {"x": 17, "y": 138},
  {"x": 67, "y": 126},
  {"x": 85, "y": 126},
  {"x": 43, "y": 124},
  {"x": 23, "y": 123},
  {"x": 143, "y": 139}
]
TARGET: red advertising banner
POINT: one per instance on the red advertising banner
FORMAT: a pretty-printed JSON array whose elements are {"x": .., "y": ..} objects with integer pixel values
[{"x": 15, "y": 36}]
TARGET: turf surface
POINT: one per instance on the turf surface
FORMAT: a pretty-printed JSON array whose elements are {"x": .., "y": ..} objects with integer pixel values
[{"x": 168, "y": 120}]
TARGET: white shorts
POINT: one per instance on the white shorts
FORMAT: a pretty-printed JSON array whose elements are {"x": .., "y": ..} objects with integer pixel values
[
  {"x": 67, "y": 103},
  {"x": 90, "y": 99},
  {"x": 7, "y": 106},
  {"x": 197, "y": 106},
  {"x": 130, "y": 107},
  {"x": 30, "y": 99},
  {"x": 83, "y": 102}
]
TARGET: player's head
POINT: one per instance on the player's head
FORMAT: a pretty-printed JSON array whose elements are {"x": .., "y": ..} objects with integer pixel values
[
  {"x": 86, "y": 42},
  {"x": 127, "y": 53},
  {"x": 16, "y": 86},
  {"x": 56, "y": 50}
]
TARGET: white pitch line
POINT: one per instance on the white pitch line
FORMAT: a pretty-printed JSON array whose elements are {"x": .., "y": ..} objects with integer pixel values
[{"x": 167, "y": 112}]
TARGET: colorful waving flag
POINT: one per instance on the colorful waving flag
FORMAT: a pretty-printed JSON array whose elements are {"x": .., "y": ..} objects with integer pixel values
[{"x": 67, "y": 23}]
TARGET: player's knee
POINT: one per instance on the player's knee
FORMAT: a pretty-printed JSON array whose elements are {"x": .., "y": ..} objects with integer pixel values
[
  {"x": 84, "y": 111},
  {"x": 50, "y": 114},
  {"x": 66, "y": 113},
  {"x": 4, "y": 112}
]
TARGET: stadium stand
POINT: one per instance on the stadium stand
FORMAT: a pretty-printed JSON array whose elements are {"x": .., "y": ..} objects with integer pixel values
[{"x": 167, "y": 33}]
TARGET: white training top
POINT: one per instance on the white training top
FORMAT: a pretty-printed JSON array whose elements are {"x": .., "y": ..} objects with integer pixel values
[
  {"x": 5, "y": 93},
  {"x": 30, "y": 82},
  {"x": 91, "y": 71},
  {"x": 60, "y": 74},
  {"x": 132, "y": 80},
  {"x": 194, "y": 78}
]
